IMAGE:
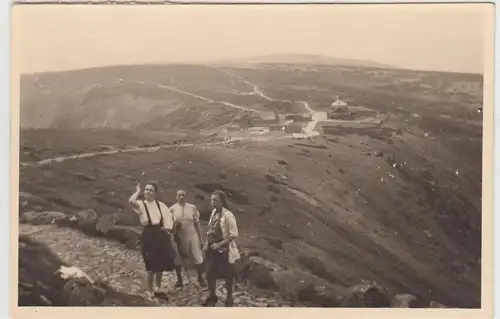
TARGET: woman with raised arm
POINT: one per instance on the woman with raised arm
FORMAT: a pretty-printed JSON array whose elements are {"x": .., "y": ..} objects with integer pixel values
[
  {"x": 220, "y": 248},
  {"x": 156, "y": 242}
]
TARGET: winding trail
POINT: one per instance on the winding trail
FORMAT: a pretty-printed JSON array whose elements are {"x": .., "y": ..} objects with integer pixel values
[
  {"x": 309, "y": 130},
  {"x": 60, "y": 159},
  {"x": 123, "y": 269},
  {"x": 171, "y": 88},
  {"x": 254, "y": 86}
]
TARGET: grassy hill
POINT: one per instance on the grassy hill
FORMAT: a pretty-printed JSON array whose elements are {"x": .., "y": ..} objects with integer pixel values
[
  {"x": 162, "y": 97},
  {"x": 398, "y": 204}
]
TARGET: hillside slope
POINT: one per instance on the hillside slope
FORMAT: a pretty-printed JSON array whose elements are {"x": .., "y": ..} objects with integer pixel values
[
  {"x": 397, "y": 202},
  {"x": 344, "y": 208}
]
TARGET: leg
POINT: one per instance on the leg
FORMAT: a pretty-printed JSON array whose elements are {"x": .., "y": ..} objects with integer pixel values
[
  {"x": 211, "y": 280},
  {"x": 199, "y": 270},
  {"x": 229, "y": 288},
  {"x": 158, "y": 277},
  {"x": 198, "y": 260},
  {"x": 211, "y": 286},
  {"x": 150, "y": 281},
  {"x": 178, "y": 271}
]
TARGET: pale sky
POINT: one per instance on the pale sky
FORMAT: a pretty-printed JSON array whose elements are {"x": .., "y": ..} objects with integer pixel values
[{"x": 433, "y": 37}]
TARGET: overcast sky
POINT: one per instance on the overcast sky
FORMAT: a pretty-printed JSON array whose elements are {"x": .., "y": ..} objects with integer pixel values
[{"x": 432, "y": 37}]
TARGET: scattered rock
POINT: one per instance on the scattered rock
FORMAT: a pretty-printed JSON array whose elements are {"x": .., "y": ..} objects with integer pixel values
[
  {"x": 406, "y": 301},
  {"x": 282, "y": 162},
  {"x": 434, "y": 304},
  {"x": 367, "y": 295},
  {"x": 322, "y": 296},
  {"x": 41, "y": 218}
]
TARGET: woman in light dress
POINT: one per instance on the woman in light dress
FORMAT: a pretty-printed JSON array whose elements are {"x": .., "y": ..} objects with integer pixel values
[{"x": 187, "y": 236}]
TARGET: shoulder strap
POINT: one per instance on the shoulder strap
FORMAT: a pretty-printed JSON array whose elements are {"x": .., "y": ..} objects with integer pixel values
[
  {"x": 147, "y": 213},
  {"x": 159, "y": 211}
]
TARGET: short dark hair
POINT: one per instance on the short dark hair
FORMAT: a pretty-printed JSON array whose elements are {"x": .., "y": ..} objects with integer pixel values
[
  {"x": 223, "y": 198},
  {"x": 154, "y": 184}
]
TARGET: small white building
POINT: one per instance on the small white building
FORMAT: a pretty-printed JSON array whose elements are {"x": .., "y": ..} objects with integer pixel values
[{"x": 339, "y": 102}]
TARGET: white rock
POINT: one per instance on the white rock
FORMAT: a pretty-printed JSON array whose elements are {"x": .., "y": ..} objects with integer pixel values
[{"x": 73, "y": 272}]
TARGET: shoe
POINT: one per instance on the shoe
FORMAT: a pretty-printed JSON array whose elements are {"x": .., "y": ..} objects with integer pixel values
[
  {"x": 150, "y": 294},
  {"x": 202, "y": 282},
  {"x": 211, "y": 301},
  {"x": 229, "y": 302},
  {"x": 161, "y": 294}
]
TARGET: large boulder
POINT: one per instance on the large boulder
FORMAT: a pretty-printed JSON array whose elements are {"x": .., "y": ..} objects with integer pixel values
[
  {"x": 128, "y": 219},
  {"x": 259, "y": 271},
  {"x": 37, "y": 282},
  {"x": 367, "y": 295},
  {"x": 127, "y": 235},
  {"x": 80, "y": 289},
  {"x": 87, "y": 220},
  {"x": 84, "y": 221},
  {"x": 105, "y": 223},
  {"x": 41, "y": 218},
  {"x": 45, "y": 280}
]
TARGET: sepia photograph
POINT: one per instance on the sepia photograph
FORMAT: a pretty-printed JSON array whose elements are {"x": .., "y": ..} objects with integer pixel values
[{"x": 305, "y": 156}]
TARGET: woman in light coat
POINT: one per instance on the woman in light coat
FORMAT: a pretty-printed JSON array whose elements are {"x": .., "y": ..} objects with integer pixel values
[{"x": 220, "y": 249}]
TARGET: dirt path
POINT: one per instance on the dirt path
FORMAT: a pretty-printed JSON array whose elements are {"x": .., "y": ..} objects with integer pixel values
[
  {"x": 171, "y": 88},
  {"x": 255, "y": 87},
  {"x": 123, "y": 269},
  {"x": 60, "y": 159},
  {"x": 309, "y": 130}
]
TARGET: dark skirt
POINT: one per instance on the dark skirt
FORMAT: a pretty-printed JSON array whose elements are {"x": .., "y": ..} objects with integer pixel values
[
  {"x": 156, "y": 248},
  {"x": 217, "y": 265}
]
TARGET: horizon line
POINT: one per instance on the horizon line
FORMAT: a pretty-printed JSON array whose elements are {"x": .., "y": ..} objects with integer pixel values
[{"x": 220, "y": 61}]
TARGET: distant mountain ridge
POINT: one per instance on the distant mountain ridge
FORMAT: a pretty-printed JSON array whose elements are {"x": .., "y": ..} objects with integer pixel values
[
  {"x": 297, "y": 58},
  {"x": 199, "y": 96}
]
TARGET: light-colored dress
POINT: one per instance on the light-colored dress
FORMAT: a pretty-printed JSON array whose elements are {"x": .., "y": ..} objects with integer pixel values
[{"x": 190, "y": 245}]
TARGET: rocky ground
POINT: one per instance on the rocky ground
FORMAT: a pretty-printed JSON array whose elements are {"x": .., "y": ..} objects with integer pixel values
[
  {"x": 122, "y": 270},
  {"x": 107, "y": 270}
]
